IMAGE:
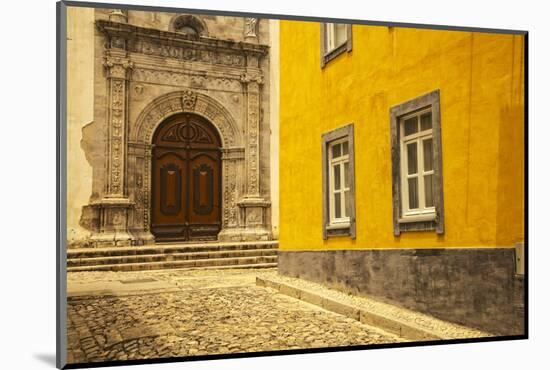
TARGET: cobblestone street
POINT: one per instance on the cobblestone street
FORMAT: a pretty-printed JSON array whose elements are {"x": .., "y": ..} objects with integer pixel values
[{"x": 151, "y": 314}]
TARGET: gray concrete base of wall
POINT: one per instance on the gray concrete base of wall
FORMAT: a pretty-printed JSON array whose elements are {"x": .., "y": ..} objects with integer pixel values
[
  {"x": 474, "y": 287},
  {"x": 405, "y": 323}
]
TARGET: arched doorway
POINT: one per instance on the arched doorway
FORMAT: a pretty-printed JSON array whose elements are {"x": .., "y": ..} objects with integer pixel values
[{"x": 186, "y": 179}]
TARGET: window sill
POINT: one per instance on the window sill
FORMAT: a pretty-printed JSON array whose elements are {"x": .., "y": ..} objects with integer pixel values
[
  {"x": 417, "y": 224},
  {"x": 343, "y": 225},
  {"x": 334, "y": 53},
  {"x": 417, "y": 218},
  {"x": 343, "y": 229}
]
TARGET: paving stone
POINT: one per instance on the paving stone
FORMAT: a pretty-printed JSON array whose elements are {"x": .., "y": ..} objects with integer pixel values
[
  {"x": 215, "y": 311},
  {"x": 113, "y": 337}
]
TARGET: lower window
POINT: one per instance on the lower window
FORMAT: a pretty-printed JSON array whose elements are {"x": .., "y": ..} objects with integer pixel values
[
  {"x": 338, "y": 183},
  {"x": 416, "y": 162}
]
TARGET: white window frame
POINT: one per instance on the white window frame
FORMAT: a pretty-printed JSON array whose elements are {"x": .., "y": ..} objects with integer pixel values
[
  {"x": 425, "y": 218},
  {"x": 344, "y": 185},
  {"x": 343, "y": 226},
  {"x": 329, "y": 50},
  {"x": 422, "y": 212},
  {"x": 330, "y": 37}
]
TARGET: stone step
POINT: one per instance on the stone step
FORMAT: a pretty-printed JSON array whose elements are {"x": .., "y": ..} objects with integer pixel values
[
  {"x": 168, "y": 248},
  {"x": 408, "y": 324},
  {"x": 168, "y": 257},
  {"x": 240, "y": 262}
]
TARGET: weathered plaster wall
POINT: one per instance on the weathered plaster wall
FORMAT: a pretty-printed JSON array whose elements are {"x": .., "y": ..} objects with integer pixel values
[
  {"x": 228, "y": 75},
  {"x": 480, "y": 79},
  {"x": 80, "y": 105},
  {"x": 274, "y": 123}
]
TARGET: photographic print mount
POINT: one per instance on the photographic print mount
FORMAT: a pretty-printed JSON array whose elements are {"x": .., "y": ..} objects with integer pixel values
[{"x": 192, "y": 184}]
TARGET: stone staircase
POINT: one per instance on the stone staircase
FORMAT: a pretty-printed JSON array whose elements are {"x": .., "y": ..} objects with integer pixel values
[{"x": 209, "y": 255}]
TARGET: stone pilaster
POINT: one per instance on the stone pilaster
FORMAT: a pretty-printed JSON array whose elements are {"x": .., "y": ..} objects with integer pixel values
[
  {"x": 253, "y": 205},
  {"x": 117, "y": 68},
  {"x": 113, "y": 209},
  {"x": 252, "y": 82}
]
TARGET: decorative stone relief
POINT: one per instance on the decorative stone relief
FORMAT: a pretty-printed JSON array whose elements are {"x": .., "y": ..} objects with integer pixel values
[
  {"x": 250, "y": 27},
  {"x": 188, "y": 100},
  {"x": 187, "y": 79},
  {"x": 230, "y": 194},
  {"x": 117, "y": 73},
  {"x": 147, "y": 190},
  {"x": 117, "y": 67},
  {"x": 154, "y": 16},
  {"x": 252, "y": 83},
  {"x": 138, "y": 89},
  {"x": 117, "y": 15},
  {"x": 188, "y": 54},
  {"x": 165, "y": 61},
  {"x": 232, "y": 156}
]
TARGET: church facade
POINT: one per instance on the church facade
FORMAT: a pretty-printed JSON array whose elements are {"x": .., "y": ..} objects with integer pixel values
[{"x": 178, "y": 146}]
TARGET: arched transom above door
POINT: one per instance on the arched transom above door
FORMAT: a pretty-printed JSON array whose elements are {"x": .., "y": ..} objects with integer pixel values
[{"x": 191, "y": 102}]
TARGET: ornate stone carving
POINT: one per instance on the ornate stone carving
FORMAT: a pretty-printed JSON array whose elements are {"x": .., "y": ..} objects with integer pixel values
[
  {"x": 188, "y": 100},
  {"x": 154, "y": 16},
  {"x": 116, "y": 137},
  {"x": 194, "y": 102},
  {"x": 250, "y": 27},
  {"x": 230, "y": 195},
  {"x": 118, "y": 43},
  {"x": 252, "y": 81},
  {"x": 188, "y": 79},
  {"x": 138, "y": 89},
  {"x": 162, "y": 61},
  {"x": 171, "y": 103},
  {"x": 117, "y": 15},
  {"x": 146, "y": 178},
  {"x": 117, "y": 67},
  {"x": 185, "y": 53},
  {"x": 252, "y": 77}
]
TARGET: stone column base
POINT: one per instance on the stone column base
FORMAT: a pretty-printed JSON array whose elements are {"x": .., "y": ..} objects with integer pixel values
[
  {"x": 143, "y": 237},
  {"x": 112, "y": 218},
  {"x": 253, "y": 212},
  {"x": 242, "y": 234}
]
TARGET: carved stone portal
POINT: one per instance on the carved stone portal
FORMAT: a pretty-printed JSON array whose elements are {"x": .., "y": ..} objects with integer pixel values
[{"x": 220, "y": 81}]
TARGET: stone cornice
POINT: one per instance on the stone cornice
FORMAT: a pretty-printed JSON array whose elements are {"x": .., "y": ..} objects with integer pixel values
[{"x": 132, "y": 33}]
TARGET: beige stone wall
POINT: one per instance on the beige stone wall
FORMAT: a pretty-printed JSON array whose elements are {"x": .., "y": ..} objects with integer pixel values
[
  {"x": 234, "y": 87},
  {"x": 80, "y": 106},
  {"x": 274, "y": 124},
  {"x": 227, "y": 28}
]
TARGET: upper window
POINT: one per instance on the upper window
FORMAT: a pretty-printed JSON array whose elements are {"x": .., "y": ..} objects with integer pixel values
[
  {"x": 416, "y": 161},
  {"x": 189, "y": 25},
  {"x": 188, "y": 30},
  {"x": 336, "y": 34},
  {"x": 338, "y": 183},
  {"x": 335, "y": 39}
]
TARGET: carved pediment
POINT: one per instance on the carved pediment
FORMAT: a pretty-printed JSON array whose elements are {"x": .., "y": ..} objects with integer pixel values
[{"x": 149, "y": 41}]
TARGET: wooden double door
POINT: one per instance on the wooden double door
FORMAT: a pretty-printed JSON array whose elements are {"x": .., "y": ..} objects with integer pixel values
[{"x": 186, "y": 179}]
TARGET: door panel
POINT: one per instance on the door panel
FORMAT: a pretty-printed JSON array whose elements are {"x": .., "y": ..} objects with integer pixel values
[
  {"x": 186, "y": 181},
  {"x": 169, "y": 203},
  {"x": 204, "y": 191}
]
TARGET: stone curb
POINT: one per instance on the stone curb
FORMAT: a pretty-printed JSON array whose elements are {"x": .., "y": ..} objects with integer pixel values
[
  {"x": 406, "y": 330},
  {"x": 94, "y": 294}
]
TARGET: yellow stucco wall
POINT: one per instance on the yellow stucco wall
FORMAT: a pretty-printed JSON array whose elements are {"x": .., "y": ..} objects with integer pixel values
[{"x": 480, "y": 78}]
